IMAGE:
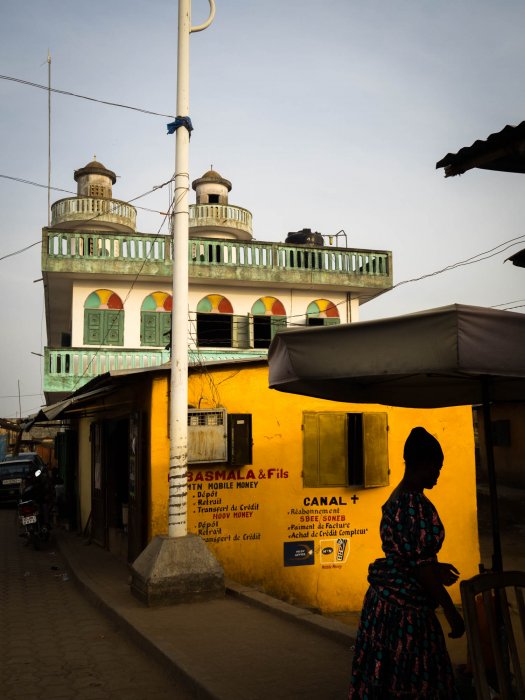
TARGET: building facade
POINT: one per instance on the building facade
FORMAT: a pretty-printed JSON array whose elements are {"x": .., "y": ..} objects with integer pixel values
[
  {"x": 108, "y": 287},
  {"x": 286, "y": 490}
]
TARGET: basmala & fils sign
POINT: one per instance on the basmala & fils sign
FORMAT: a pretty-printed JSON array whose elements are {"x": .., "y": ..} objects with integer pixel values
[{"x": 229, "y": 506}]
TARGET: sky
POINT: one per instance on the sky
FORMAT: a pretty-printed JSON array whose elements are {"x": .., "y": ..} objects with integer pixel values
[{"x": 325, "y": 115}]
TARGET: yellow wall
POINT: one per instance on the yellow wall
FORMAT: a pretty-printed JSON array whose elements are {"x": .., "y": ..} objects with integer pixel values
[
  {"x": 159, "y": 457},
  {"x": 251, "y": 546}
]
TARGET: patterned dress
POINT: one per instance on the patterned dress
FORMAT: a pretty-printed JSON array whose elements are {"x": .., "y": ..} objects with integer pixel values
[{"x": 400, "y": 648}]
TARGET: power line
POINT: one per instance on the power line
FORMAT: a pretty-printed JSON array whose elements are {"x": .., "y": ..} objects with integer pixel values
[
  {"x": 58, "y": 189},
  {"x": 35, "y": 184},
  {"x": 22, "y": 250},
  {"x": 15, "y": 396},
  {"x": 84, "y": 97},
  {"x": 516, "y": 301},
  {"x": 509, "y": 308},
  {"x": 96, "y": 216},
  {"x": 485, "y": 255}
]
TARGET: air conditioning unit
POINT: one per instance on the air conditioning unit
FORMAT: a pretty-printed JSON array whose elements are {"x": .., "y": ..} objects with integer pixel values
[{"x": 207, "y": 436}]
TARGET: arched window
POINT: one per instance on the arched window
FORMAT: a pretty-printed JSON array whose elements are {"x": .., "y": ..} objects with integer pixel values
[
  {"x": 155, "y": 320},
  {"x": 322, "y": 312},
  {"x": 215, "y": 322},
  {"x": 269, "y": 316},
  {"x": 103, "y": 318}
]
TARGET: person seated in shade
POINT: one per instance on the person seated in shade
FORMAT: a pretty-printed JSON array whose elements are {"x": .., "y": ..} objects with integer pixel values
[{"x": 400, "y": 648}]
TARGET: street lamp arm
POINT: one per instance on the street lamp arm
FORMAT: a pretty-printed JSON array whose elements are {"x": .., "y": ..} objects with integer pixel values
[{"x": 206, "y": 24}]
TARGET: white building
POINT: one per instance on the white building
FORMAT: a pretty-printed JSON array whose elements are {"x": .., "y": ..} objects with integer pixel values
[{"x": 108, "y": 287}]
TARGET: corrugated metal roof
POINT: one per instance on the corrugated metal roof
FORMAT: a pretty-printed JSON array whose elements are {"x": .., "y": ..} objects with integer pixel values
[
  {"x": 202, "y": 355},
  {"x": 503, "y": 151},
  {"x": 103, "y": 384},
  {"x": 518, "y": 258}
]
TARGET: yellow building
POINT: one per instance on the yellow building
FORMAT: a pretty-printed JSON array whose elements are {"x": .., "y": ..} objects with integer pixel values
[{"x": 292, "y": 503}]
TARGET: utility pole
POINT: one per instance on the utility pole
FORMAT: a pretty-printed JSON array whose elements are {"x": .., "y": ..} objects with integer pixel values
[
  {"x": 177, "y": 507},
  {"x": 179, "y": 567}
]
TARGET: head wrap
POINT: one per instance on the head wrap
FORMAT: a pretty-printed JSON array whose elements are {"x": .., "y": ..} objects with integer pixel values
[{"x": 421, "y": 446}]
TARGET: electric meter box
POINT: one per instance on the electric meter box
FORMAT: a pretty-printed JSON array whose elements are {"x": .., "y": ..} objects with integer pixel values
[{"x": 207, "y": 436}]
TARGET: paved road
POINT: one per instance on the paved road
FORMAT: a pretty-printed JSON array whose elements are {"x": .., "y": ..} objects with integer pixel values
[{"x": 54, "y": 644}]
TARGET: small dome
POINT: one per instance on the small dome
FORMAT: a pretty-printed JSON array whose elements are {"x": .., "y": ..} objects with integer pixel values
[
  {"x": 95, "y": 168},
  {"x": 212, "y": 176}
]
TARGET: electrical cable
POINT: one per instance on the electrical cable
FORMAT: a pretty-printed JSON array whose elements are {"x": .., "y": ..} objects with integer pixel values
[
  {"x": 96, "y": 216},
  {"x": 84, "y": 97},
  {"x": 58, "y": 189},
  {"x": 477, "y": 258},
  {"x": 468, "y": 261},
  {"x": 516, "y": 301},
  {"x": 22, "y": 250}
]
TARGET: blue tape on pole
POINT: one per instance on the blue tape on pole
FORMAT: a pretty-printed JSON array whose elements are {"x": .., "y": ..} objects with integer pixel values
[{"x": 180, "y": 121}]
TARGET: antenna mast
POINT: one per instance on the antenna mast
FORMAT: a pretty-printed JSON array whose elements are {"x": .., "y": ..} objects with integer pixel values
[{"x": 48, "y": 138}]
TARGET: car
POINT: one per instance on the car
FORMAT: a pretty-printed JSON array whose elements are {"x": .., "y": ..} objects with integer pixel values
[
  {"x": 13, "y": 473},
  {"x": 33, "y": 457}
]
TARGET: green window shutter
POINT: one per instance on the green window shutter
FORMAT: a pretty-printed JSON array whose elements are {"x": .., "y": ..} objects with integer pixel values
[
  {"x": 325, "y": 449},
  {"x": 149, "y": 328},
  {"x": 278, "y": 323},
  {"x": 93, "y": 327},
  {"x": 113, "y": 327},
  {"x": 155, "y": 327},
  {"x": 375, "y": 450},
  {"x": 240, "y": 332},
  {"x": 165, "y": 328}
]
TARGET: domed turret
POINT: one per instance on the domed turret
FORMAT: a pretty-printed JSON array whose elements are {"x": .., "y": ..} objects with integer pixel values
[
  {"x": 95, "y": 180},
  {"x": 213, "y": 216},
  {"x": 212, "y": 188},
  {"x": 94, "y": 209}
]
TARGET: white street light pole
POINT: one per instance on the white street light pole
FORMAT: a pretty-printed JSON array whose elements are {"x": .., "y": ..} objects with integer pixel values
[{"x": 177, "y": 507}]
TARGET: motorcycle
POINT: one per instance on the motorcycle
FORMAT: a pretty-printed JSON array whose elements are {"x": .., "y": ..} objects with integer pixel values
[{"x": 32, "y": 512}]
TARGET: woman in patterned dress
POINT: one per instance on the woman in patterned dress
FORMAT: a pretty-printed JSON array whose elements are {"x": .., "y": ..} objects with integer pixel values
[{"x": 400, "y": 648}]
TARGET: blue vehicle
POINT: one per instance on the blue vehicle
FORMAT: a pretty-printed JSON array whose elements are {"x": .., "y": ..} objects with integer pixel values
[
  {"x": 13, "y": 474},
  {"x": 32, "y": 457}
]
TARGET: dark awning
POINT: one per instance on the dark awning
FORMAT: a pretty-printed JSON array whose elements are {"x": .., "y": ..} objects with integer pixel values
[
  {"x": 438, "y": 357},
  {"x": 518, "y": 258},
  {"x": 504, "y": 151}
]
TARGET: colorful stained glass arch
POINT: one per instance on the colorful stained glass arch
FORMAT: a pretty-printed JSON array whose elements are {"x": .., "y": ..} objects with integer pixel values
[
  {"x": 157, "y": 301},
  {"x": 103, "y": 299},
  {"x": 268, "y": 306},
  {"x": 322, "y": 308},
  {"x": 214, "y": 304}
]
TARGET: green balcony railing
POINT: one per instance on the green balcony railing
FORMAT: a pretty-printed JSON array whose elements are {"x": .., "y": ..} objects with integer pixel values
[
  {"x": 72, "y": 209},
  {"x": 67, "y": 369},
  {"x": 253, "y": 260},
  {"x": 220, "y": 216}
]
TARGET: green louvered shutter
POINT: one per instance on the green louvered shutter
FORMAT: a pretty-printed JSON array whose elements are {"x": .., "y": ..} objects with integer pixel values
[
  {"x": 113, "y": 327},
  {"x": 149, "y": 328},
  {"x": 278, "y": 323},
  {"x": 375, "y": 450},
  {"x": 240, "y": 332},
  {"x": 325, "y": 449},
  {"x": 93, "y": 327},
  {"x": 165, "y": 329}
]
